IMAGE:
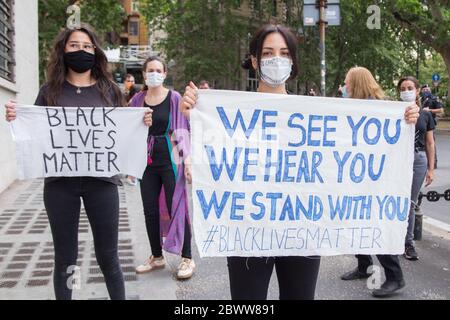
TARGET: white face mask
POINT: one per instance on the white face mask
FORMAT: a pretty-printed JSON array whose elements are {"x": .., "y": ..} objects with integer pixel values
[
  {"x": 408, "y": 96},
  {"x": 275, "y": 71},
  {"x": 154, "y": 79}
]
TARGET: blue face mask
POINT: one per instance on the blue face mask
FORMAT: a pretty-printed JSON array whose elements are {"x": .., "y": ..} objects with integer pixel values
[{"x": 344, "y": 92}]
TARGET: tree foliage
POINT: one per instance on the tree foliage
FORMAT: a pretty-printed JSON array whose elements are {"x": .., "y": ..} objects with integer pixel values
[
  {"x": 103, "y": 15},
  {"x": 207, "y": 39}
]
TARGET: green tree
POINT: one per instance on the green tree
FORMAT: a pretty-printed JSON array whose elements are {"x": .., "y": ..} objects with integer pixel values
[
  {"x": 432, "y": 64},
  {"x": 204, "y": 39},
  {"x": 427, "y": 21},
  {"x": 105, "y": 16},
  {"x": 384, "y": 51},
  {"x": 208, "y": 39}
]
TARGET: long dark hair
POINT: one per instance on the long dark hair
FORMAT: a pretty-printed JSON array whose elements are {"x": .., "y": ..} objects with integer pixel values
[
  {"x": 57, "y": 70},
  {"x": 257, "y": 42},
  {"x": 146, "y": 62}
]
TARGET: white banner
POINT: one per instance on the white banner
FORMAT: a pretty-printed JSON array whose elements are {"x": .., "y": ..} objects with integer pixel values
[
  {"x": 70, "y": 142},
  {"x": 285, "y": 175}
]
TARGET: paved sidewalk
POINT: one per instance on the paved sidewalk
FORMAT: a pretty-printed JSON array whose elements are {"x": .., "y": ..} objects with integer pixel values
[{"x": 26, "y": 249}]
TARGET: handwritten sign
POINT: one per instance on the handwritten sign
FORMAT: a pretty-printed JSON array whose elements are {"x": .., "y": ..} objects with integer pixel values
[
  {"x": 99, "y": 142},
  {"x": 281, "y": 175}
]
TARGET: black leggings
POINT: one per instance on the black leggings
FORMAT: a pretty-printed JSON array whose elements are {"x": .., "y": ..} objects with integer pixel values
[
  {"x": 250, "y": 277},
  {"x": 154, "y": 178},
  {"x": 101, "y": 201}
]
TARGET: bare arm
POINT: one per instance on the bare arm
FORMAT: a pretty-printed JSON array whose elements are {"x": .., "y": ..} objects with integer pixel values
[{"x": 430, "y": 157}]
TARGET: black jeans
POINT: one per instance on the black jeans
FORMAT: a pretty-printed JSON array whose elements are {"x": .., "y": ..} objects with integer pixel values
[
  {"x": 390, "y": 263},
  {"x": 250, "y": 277},
  {"x": 154, "y": 178},
  {"x": 62, "y": 199}
]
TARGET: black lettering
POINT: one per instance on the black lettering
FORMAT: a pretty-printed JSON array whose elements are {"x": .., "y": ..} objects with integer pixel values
[
  {"x": 54, "y": 146},
  {"x": 81, "y": 114},
  {"x": 66, "y": 119},
  {"x": 113, "y": 141},
  {"x": 52, "y": 116},
  {"x": 64, "y": 162},
  {"x": 84, "y": 141},
  {"x": 105, "y": 116},
  {"x": 92, "y": 118},
  {"x": 88, "y": 153},
  {"x": 53, "y": 157},
  {"x": 97, "y": 161},
  {"x": 95, "y": 138},
  {"x": 112, "y": 157},
  {"x": 71, "y": 131},
  {"x": 75, "y": 157}
]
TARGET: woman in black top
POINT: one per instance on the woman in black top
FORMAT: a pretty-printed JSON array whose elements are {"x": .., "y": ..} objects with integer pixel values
[
  {"x": 78, "y": 76},
  {"x": 250, "y": 276},
  {"x": 409, "y": 88},
  {"x": 162, "y": 173}
]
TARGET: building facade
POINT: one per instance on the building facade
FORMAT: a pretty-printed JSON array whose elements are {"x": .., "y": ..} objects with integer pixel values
[
  {"x": 19, "y": 71},
  {"x": 135, "y": 29}
]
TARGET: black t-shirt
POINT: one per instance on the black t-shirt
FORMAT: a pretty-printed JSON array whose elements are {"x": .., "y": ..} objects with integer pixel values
[
  {"x": 424, "y": 124},
  {"x": 159, "y": 129},
  {"x": 72, "y": 96}
]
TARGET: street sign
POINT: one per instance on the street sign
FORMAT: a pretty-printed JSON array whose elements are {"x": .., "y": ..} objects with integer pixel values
[
  {"x": 436, "y": 77},
  {"x": 311, "y": 15},
  {"x": 436, "y": 83},
  {"x": 322, "y": 13}
]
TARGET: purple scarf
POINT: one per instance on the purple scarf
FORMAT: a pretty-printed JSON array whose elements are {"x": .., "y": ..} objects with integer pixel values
[{"x": 179, "y": 136}]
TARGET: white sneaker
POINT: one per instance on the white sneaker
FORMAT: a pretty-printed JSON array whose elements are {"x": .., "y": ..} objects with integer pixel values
[
  {"x": 186, "y": 268},
  {"x": 151, "y": 264}
]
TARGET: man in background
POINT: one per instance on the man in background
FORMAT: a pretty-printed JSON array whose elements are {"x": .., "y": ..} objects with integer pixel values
[{"x": 431, "y": 103}]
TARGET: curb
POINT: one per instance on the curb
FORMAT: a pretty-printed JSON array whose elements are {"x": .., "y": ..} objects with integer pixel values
[{"x": 436, "y": 227}]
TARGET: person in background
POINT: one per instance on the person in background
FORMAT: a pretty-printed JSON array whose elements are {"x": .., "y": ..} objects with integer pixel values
[
  {"x": 409, "y": 89},
  {"x": 130, "y": 90},
  {"x": 360, "y": 84},
  {"x": 430, "y": 103},
  {"x": 339, "y": 92},
  {"x": 312, "y": 92},
  {"x": 163, "y": 188},
  {"x": 203, "y": 85},
  {"x": 130, "y": 87}
]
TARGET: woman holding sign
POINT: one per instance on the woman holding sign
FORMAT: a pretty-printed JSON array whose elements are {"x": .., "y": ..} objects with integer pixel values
[
  {"x": 163, "y": 188},
  {"x": 409, "y": 89},
  {"x": 360, "y": 84},
  {"x": 273, "y": 52},
  {"x": 78, "y": 77}
]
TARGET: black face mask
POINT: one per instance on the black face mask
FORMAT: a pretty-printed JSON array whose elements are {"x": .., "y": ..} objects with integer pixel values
[{"x": 79, "y": 61}]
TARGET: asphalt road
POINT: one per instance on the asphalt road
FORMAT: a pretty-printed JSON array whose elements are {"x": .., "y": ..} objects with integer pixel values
[{"x": 440, "y": 210}]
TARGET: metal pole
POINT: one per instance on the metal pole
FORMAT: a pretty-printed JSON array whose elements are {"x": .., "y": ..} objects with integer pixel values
[
  {"x": 418, "y": 62},
  {"x": 322, "y": 24}
]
